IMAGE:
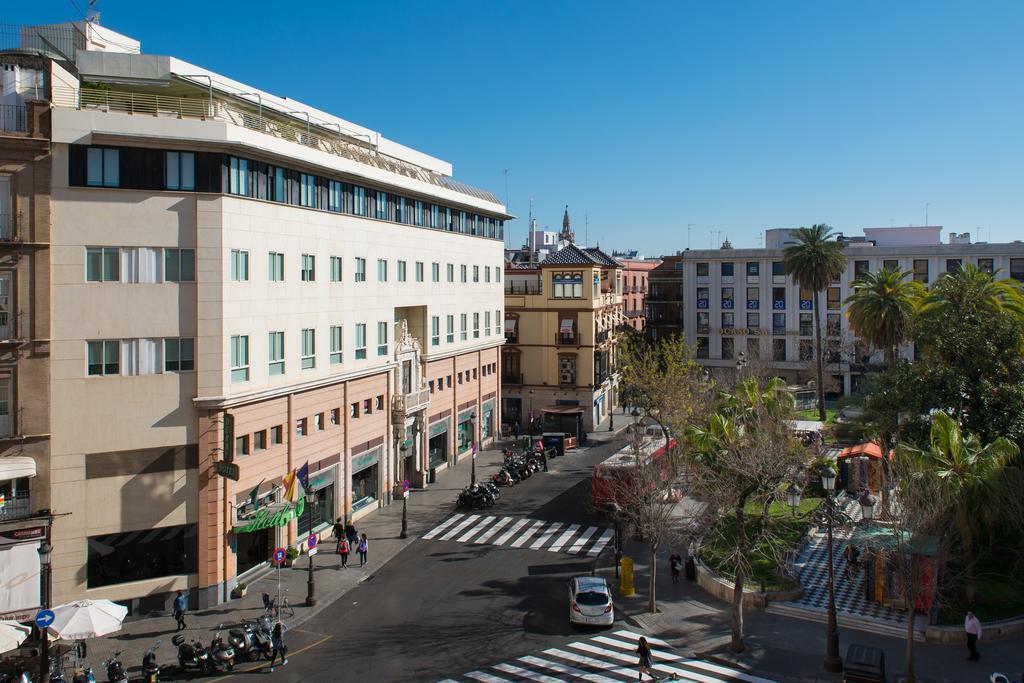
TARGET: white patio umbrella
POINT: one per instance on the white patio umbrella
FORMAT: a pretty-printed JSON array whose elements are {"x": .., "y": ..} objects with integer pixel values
[
  {"x": 12, "y": 634},
  {"x": 86, "y": 619}
]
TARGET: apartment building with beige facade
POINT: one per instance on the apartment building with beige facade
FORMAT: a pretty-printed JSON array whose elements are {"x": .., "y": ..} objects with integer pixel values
[
  {"x": 242, "y": 285},
  {"x": 558, "y": 364}
]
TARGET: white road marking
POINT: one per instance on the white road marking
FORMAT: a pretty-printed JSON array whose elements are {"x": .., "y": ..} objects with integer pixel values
[
  {"x": 511, "y": 532},
  {"x": 564, "y": 538},
  {"x": 526, "y": 534},
  {"x": 442, "y": 526},
  {"x": 601, "y": 543},
  {"x": 582, "y": 540},
  {"x": 459, "y": 527},
  {"x": 546, "y": 536},
  {"x": 502, "y": 521},
  {"x": 475, "y": 529}
]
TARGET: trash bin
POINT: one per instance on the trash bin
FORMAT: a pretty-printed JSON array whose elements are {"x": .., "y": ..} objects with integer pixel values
[
  {"x": 864, "y": 664},
  {"x": 691, "y": 569},
  {"x": 432, "y": 475}
]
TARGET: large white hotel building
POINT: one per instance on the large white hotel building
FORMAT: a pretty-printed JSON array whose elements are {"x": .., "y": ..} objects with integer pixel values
[
  {"x": 204, "y": 287},
  {"x": 737, "y": 305}
]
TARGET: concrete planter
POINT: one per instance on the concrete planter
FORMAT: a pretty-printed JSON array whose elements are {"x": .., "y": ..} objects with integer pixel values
[
  {"x": 1003, "y": 629},
  {"x": 722, "y": 588}
]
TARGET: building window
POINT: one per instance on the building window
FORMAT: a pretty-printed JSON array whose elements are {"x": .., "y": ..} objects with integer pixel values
[
  {"x": 806, "y": 324},
  {"x": 702, "y": 347},
  {"x": 401, "y": 271},
  {"x": 476, "y": 326},
  {"x": 308, "y": 348},
  {"x": 779, "y": 350},
  {"x": 449, "y": 328},
  {"x": 307, "y": 190},
  {"x": 335, "y": 195},
  {"x": 463, "y": 321},
  {"x": 138, "y": 556},
  {"x": 753, "y": 268},
  {"x": 753, "y": 298},
  {"x": 806, "y": 350},
  {"x": 833, "y": 300},
  {"x": 778, "y": 323},
  {"x": 179, "y": 354},
  {"x": 419, "y": 271},
  {"x": 1017, "y": 269},
  {"x": 728, "y": 322},
  {"x": 753, "y": 321},
  {"x": 360, "y": 341},
  {"x": 276, "y": 435},
  {"x": 275, "y": 353},
  {"x": 921, "y": 270},
  {"x": 240, "y": 358},
  {"x": 382, "y": 270},
  {"x": 567, "y": 369},
  {"x": 360, "y": 206},
  {"x": 476, "y": 273},
  {"x": 487, "y": 274},
  {"x": 103, "y": 167},
  {"x": 728, "y": 348},
  {"x": 435, "y": 331},
  {"x": 727, "y": 269},
  {"x": 360, "y": 269},
  {"x": 435, "y": 272},
  {"x": 239, "y": 265},
  {"x": 367, "y": 406},
  {"x": 953, "y": 265},
  {"x": 379, "y": 402},
  {"x": 318, "y": 422},
  {"x": 275, "y": 266},
  {"x": 702, "y": 270},
  {"x": 703, "y": 294},
  {"x": 778, "y": 270},
  {"x": 238, "y": 177},
  {"x": 382, "y": 339},
  {"x": 778, "y": 298},
  {"x": 860, "y": 269},
  {"x": 301, "y": 427},
  {"x": 727, "y": 298},
  {"x": 335, "y": 269},
  {"x": 353, "y": 409},
  {"x": 497, "y": 321},
  {"x": 462, "y": 273},
  {"x": 833, "y": 324},
  {"x": 891, "y": 264},
  {"x": 242, "y": 445},
  {"x": 336, "y": 416},
  {"x": 181, "y": 171},
  {"x": 986, "y": 265},
  {"x": 259, "y": 440},
  {"x": 567, "y": 286},
  {"x": 753, "y": 348},
  {"x": 703, "y": 322},
  {"x": 451, "y": 272},
  {"x": 104, "y": 357},
  {"x": 336, "y": 341},
  {"x": 102, "y": 264},
  {"x": 179, "y": 265},
  {"x": 487, "y": 323},
  {"x": 308, "y": 273},
  {"x": 381, "y": 205}
]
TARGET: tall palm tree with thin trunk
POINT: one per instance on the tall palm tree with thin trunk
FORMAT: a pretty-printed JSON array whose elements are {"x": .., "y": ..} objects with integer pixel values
[
  {"x": 881, "y": 309},
  {"x": 815, "y": 261},
  {"x": 970, "y": 288}
]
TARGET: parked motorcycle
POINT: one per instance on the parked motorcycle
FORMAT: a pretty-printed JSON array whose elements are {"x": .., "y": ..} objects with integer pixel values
[
  {"x": 191, "y": 655},
  {"x": 504, "y": 478},
  {"x": 150, "y": 669},
  {"x": 249, "y": 642},
  {"x": 475, "y": 497},
  {"x": 221, "y": 654},
  {"x": 115, "y": 670}
]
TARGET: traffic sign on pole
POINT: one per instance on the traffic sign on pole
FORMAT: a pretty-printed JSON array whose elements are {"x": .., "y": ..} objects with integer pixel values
[
  {"x": 279, "y": 556},
  {"x": 44, "y": 618},
  {"x": 405, "y": 485},
  {"x": 311, "y": 544}
]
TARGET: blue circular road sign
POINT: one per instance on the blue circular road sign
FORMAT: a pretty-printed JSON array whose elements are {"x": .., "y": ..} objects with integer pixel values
[
  {"x": 312, "y": 541},
  {"x": 44, "y": 618},
  {"x": 278, "y": 556}
]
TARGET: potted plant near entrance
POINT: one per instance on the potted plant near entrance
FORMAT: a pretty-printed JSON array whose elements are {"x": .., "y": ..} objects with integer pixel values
[
  {"x": 239, "y": 590},
  {"x": 290, "y": 556}
]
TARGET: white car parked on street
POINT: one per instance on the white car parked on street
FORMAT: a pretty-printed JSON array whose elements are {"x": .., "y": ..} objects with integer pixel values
[{"x": 590, "y": 602}]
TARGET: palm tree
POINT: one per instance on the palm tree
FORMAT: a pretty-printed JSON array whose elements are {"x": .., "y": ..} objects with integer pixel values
[
  {"x": 881, "y": 309},
  {"x": 969, "y": 288},
  {"x": 814, "y": 262},
  {"x": 975, "y": 477}
]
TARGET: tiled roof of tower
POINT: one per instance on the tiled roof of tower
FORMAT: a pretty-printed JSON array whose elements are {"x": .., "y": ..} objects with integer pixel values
[
  {"x": 602, "y": 257},
  {"x": 571, "y": 255}
]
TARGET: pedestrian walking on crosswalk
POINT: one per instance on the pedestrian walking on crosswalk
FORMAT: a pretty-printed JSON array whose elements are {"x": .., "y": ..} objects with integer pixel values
[{"x": 646, "y": 662}]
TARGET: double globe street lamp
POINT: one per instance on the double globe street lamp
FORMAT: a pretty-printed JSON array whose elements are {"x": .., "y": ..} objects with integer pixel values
[{"x": 832, "y": 512}]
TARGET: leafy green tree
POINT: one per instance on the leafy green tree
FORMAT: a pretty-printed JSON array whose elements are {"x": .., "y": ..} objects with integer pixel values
[
  {"x": 815, "y": 261},
  {"x": 975, "y": 476},
  {"x": 881, "y": 309}
]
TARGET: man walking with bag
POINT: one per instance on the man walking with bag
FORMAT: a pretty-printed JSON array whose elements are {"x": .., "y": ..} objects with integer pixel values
[{"x": 178, "y": 610}]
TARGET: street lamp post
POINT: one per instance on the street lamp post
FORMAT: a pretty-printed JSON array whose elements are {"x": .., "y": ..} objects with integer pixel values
[
  {"x": 833, "y": 663},
  {"x": 741, "y": 361},
  {"x": 472, "y": 472},
  {"x": 405, "y": 496},
  {"x": 310, "y": 578},
  {"x": 529, "y": 421},
  {"x": 45, "y": 550}
]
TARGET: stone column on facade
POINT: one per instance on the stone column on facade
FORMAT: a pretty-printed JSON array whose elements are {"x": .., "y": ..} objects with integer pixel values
[
  {"x": 289, "y": 429},
  {"x": 212, "y": 533}
]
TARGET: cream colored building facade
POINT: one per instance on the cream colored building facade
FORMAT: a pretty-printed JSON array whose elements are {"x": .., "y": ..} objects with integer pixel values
[
  {"x": 558, "y": 364},
  {"x": 238, "y": 291}
]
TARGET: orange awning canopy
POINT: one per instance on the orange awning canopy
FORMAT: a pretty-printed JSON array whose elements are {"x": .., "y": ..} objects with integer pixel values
[{"x": 869, "y": 449}]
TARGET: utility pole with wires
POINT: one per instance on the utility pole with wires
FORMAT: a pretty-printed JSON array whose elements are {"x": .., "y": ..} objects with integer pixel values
[
  {"x": 688, "y": 226},
  {"x": 586, "y": 228}
]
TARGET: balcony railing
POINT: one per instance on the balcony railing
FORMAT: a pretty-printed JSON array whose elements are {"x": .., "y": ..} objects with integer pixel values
[
  {"x": 17, "y": 507},
  {"x": 523, "y": 287},
  {"x": 511, "y": 378},
  {"x": 10, "y": 227},
  {"x": 412, "y": 402},
  {"x": 573, "y": 339},
  {"x": 511, "y": 338},
  {"x": 13, "y": 118}
]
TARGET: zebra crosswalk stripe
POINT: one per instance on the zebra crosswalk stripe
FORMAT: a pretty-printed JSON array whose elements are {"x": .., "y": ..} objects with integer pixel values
[
  {"x": 546, "y": 536},
  {"x": 526, "y": 534},
  {"x": 581, "y": 542},
  {"x": 610, "y": 658},
  {"x": 564, "y": 538},
  {"x": 482, "y": 523},
  {"x": 459, "y": 527},
  {"x": 442, "y": 526},
  {"x": 601, "y": 543},
  {"x": 501, "y": 540},
  {"x": 485, "y": 536}
]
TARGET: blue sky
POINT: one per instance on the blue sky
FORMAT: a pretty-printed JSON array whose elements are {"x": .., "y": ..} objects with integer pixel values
[{"x": 646, "y": 117}]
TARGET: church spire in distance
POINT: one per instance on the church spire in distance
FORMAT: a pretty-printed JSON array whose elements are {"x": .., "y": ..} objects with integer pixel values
[{"x": 567, "y": 233}]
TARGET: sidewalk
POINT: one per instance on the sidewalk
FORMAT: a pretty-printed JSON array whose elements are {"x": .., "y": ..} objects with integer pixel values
[{"x": 425, "y": 509}]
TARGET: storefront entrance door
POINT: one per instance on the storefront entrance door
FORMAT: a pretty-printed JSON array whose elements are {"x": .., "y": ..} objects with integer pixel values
[
  {"x": 438, "y": 450},
  {"x": 253, "y": 548}
]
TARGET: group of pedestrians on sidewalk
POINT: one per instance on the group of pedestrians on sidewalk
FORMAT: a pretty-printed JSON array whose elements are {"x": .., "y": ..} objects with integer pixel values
[{"x": 349, "y": 538}]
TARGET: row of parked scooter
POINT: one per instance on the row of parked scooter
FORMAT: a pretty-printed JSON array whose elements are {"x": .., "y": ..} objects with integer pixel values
[{"x": 516, "y": 467}]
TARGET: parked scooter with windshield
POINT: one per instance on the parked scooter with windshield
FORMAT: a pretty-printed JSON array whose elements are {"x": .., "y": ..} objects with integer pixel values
[
  {"x": 191, "y": 655},
  {"x": 150, "y": 669},
  {"x": 115, "y": 670},
  {"x": 222, "y": 655},
  {"x": 248, "y": 642}
]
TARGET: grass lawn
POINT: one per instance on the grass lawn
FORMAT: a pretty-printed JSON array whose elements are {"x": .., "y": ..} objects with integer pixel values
[
  {"x": 812, "y": 414},
  {"x": 787, "y": 531},
  {"x": 999, "y": 593}
]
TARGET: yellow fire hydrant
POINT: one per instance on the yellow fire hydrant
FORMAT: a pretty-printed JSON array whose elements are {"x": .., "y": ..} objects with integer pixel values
[{"x": 626, "y": 588}]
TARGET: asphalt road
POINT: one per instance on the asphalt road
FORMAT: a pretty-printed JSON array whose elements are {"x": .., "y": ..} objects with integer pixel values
[{"x": 442, "y": 608}]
